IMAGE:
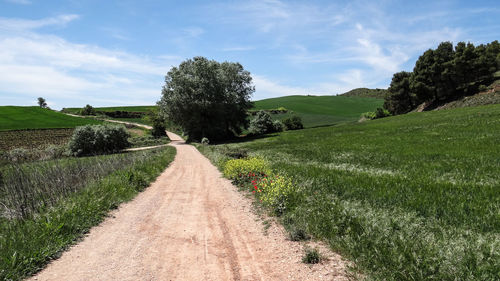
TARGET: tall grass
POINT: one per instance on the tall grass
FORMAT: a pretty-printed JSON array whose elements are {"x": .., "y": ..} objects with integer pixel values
[
  {"x": 48, "y": 205},
  {"x": 413, "y": 197}
]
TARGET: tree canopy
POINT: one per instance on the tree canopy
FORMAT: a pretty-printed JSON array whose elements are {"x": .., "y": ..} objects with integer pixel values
[
  {"x": 443, "y": 74},
  {"x": 42, "y": 103},
  {"x": 207, "y": 98}
]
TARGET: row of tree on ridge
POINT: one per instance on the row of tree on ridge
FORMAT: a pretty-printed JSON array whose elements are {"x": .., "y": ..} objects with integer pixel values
[{"x": 444, "y": 74}]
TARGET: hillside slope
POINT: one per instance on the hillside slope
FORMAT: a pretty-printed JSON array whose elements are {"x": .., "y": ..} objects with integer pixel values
[
  {"x": 409, "y": 197},
  {"x": 34, "y": 117},
  {"x": 366, "y": 93},
  {"x": 321, "y": 110}
]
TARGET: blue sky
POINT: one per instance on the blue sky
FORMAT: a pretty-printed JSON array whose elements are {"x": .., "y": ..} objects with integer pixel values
[{"x": 108, "y": 53}]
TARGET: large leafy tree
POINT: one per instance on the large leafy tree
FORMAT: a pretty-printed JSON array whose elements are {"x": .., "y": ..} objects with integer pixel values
[{"x": 207, "y": 98}]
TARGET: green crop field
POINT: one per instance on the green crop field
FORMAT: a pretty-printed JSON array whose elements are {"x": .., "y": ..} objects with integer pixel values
[
  {"x": 146, "y": 108},
  {"x": 321, "y": 110},
  {"x": 411, "y": 197},
  {"x": 33, "y": 117}
]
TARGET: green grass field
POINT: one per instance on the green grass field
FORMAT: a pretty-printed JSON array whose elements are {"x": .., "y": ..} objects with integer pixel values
[
  {"x": 33, "y": 117},
  {"x": 411, "y": 197},
  {"x": 146, "y": 108},
  {"x": 49, "y": 205},
  {"x": 321, "y": 110}
]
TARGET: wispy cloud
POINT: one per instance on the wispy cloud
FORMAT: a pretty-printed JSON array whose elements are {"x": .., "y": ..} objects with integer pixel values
[
  {"x": 21, "y": 2},
  {"x": 48, "y": 65},
  {"x": 13, "y": 24}
]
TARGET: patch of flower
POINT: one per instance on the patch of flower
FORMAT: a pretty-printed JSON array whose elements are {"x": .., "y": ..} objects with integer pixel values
[
  {"x": 243, "y": 170},
  {"x": 276, "y": 191}
]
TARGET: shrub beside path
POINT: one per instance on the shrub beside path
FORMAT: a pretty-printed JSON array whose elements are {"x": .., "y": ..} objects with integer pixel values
[{"x": 190, "y": 224}]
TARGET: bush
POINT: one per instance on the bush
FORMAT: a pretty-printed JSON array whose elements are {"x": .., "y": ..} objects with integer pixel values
[
  {"x": 240, "y": 169},
  {"x": 298, "y": 234},
  {"x": 205, "y": 141},
  {"x": 378, "y": 113},
  {"x": 311, "y": 256},
  {"x": 87, "y": 110},
  {"x": 278, "y": 126},
  {"x": 98, "y": 139},
  {"x": 159, "y": 129},
  {"x": 381, "y": 113},
  {"x": 278, "y": 192},
  {"x": 368, "y": 115},
  {"x": 262, "y": 123},
  {"x": 293, "y": 123}
]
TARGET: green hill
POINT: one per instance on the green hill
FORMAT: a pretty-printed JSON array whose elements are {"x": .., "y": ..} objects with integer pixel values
[
  {"x": 76, "y": 110},
  {"x": 366, "y": 93},
  {"x": 321, "y": 110},
  {"x": 409, "y": 197},
  {"x": 34, "y": 117}
]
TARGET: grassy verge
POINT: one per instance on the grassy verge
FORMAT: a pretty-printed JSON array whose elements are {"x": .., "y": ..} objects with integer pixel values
[
  {"x": 412, "y": 197},
  {"x": 47, "y": 206}
]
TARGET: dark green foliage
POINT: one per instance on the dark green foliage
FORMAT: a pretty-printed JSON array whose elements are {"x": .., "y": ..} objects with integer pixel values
[
  {"x": 297, "y": 233},
  {"x": 87, "y": 110},
  {"x": 400, "y": 100},
  {"x": 366, "y": 93},
  {"x": 158, "y": 122},
  {"x": 311, "y": 256},
  {"x": 42, "y": 103},
  {"x": 293, "y": 123},
  {"x": 378, "y": 113},
  {"x": 278, "y": 126},
  {"x": 207, "y": 98},
  {"x": 411, "y": 197},
  {"x": 122, "y": 114},
  {"x": 159, "y": 129},
  {"x": 98, "y": 139},
  {"x": 135, "y": 109},
  {"x": 443, "y": 74},
  {"x": 68, "y": 210},
  {"x": 261, "y": 124}
]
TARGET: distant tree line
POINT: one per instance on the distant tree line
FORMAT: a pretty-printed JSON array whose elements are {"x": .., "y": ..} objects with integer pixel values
[{"x": 443, "y": 74}]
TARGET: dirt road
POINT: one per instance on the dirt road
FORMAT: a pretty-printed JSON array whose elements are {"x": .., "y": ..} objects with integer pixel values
[{"x": 191, "y": 224}]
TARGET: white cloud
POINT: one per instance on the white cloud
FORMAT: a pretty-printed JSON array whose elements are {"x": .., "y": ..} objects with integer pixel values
[
  {"x": 11, "y": 24},
  {"x": 34, "y": 64},
  {"x": 265, "y": 88},
  {"x": 373, "y": 55}
]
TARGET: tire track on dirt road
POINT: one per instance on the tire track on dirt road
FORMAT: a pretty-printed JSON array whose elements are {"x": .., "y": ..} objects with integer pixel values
[{"x": 190, "y": 224}]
